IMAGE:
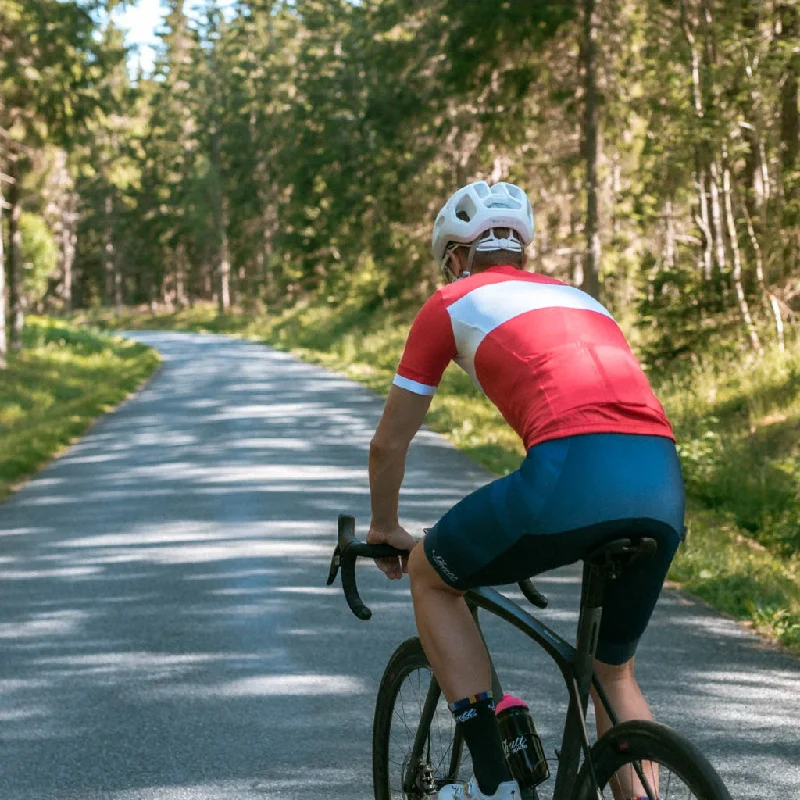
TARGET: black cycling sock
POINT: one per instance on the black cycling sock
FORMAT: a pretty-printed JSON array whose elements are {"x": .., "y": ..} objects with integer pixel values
[{"x": 476, "y": 720}]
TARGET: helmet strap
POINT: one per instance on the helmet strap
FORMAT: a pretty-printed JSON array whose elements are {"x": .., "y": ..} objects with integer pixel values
[
  {"x": 467, "y": 271},
  {"x": 448, "y": 273}
]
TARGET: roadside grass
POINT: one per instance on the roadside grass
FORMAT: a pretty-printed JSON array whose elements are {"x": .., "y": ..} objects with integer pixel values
[
  {"x": 63, "y": 379},
  {"x": 737, "y": 421}
]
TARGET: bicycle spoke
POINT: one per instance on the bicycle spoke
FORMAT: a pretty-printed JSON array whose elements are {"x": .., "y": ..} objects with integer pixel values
[
  {"x": 437, "y": 754},
  {"x": 665, "y": 782}
]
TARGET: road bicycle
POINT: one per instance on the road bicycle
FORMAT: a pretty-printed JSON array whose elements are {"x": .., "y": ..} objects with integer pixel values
[{"x": 417, "y": 748}]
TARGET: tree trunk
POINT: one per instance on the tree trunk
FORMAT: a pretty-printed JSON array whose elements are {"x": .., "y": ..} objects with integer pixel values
[
  {"x": 61, "y": 215},
  {"x": 760, "y": 277},
  {"x": 616, "y": 194},
  {"x": 669, "y": 236},
  {"x": 776, "y": 311},
  {"x": 118, "y": 284},
  {"x": 108, "y": 249},
  {"x": 589, "y": 49},
  {"x": 704, "y": 220},
  {"x": 224, "y": 263},
  {"x": 576, "y": 260},
  {"x": 221, "y": 222},
  {"x": 700, "y": 150},
  {"x": 180, "y": 276},
  {"x": 14, "y": 258},
  {"x": 69, "y": 246},
  {"x": 762, "y": 283},
  {"x": 790, "y": 135},
  {"x": 716, "y": 217},
  {"x": 744, "y": 308},
  {"x": 3, "y": 345}
]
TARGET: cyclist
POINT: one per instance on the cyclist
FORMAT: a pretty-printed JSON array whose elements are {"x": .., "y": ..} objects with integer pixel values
[{"x": 601, "y": 462}]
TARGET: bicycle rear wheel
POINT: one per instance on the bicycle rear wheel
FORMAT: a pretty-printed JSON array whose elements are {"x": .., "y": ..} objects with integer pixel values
[
  {"x": 399, "y": 713},
  {"x": 671, "y": 766}
]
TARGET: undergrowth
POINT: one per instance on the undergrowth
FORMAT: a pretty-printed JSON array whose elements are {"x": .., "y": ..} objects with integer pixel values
[{"x": 50, "y": 392}]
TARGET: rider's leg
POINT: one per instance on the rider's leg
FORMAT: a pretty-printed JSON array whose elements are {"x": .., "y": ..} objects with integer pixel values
[
  {"x": 628, "y": 702},
  {"x": 456, "y": 652},
  {"x": 449, "y": 635},
  {"x": 623, "y": 692}
]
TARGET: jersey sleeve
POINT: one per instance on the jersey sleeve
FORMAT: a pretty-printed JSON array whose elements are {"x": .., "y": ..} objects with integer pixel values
[{"x": 429, "y": 349}]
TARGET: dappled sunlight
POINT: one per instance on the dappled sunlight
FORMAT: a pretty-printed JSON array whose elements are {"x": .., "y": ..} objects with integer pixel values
[
  {"x": 301, "y": 685},
  {"x": 199, "y": 553},
  {"x": 297, "y": 779},
  {"x": 98, "y": 458},
  {"x": 56, "y": 623},
  {"x": 709, "y": 625},
  {"x": 38, "y": 574},
  {"x": 166, "y": 628},
  {"x": 21, "y": 531},
  {"x": 274, "y": 443},
  {"x": 146, "y": 535},
  {"x": 22, "y": 714},
  {"x": 283, "y": 472},
  {"x": 154, "y": 666}
]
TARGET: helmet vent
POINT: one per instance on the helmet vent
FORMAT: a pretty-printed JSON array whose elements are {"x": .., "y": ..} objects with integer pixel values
[{"x": 466, "y": 209}]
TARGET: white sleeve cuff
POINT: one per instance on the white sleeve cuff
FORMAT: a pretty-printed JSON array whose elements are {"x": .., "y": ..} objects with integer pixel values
[{"x": 413, "y": 386}]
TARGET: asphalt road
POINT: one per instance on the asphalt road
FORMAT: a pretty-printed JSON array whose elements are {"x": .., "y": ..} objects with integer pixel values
[{"x": 166, "y": 631}]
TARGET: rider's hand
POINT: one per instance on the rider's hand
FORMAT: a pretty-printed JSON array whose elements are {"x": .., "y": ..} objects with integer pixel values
[{"x": 398, "y": 537}]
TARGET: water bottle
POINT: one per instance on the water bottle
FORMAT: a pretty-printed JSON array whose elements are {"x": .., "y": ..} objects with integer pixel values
[{"x": 521, "y": 743}]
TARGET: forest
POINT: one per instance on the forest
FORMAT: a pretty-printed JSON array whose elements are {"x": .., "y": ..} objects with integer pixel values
[{"x": 284, "y": 149}]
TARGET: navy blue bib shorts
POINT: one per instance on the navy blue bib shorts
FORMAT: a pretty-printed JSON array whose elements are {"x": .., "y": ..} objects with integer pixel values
[{"x": 568, "y": 497}]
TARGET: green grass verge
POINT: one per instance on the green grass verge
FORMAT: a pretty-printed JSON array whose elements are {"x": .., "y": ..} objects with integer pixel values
[
  {"x": 737, "y": 421},
  {"x": 50, "y": 392}
]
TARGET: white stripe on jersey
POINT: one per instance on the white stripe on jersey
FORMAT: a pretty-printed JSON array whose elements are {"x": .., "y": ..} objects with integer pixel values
[
  {"x": 413, "y": 386},
  {"x": 479, "y": 312},
  {"x": 489, "y": 306}
]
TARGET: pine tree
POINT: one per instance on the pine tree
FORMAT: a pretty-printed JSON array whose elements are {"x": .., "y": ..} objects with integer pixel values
[{"x": 48, "y": 66}]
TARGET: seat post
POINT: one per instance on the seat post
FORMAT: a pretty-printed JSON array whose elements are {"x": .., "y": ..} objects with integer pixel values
[
  {"x": 591, "y": 612},
  {"x": 604, "y": 564}
]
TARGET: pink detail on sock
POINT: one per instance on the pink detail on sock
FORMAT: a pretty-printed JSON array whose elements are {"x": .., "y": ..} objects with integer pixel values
[{"x": 509, "y": 701}]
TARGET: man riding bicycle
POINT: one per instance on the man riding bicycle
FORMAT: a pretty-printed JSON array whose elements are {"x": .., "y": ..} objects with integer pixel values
[{"x": 601, "y": 462}]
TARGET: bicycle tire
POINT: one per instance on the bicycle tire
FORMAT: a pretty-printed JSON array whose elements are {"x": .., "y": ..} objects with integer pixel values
[
  {"x": 445, "y": 753},
  {"x": 631, "y": 743}
]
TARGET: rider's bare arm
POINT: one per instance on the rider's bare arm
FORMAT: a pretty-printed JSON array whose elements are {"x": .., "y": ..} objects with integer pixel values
[{"x": 402, "y": 418}]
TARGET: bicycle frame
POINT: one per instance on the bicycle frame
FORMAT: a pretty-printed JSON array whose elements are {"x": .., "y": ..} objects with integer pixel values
[{"x": 574, "y": 664}]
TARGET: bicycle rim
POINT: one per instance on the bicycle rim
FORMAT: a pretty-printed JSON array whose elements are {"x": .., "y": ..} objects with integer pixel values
[
  {"x": 645, "y": 753},
  {"x": 398, "y": 715}
]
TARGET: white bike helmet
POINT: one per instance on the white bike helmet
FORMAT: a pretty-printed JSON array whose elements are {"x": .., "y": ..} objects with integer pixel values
[{"x": 478, "y": 208}]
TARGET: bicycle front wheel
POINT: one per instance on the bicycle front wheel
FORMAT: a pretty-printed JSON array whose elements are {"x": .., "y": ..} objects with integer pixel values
[
  {"x": 640, "y": 753},
  {"x": 409, "y": 700}
]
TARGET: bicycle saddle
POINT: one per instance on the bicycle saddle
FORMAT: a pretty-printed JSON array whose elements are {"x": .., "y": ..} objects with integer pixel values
[{"x": 614, "y": 556}]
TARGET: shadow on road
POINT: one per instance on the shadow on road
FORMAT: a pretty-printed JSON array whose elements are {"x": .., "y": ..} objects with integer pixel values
[{"x": 166, "y": 631}]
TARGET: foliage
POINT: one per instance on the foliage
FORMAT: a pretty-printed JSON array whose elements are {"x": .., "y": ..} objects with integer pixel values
[
  {"x": 737, "y": 426},
  {"x": 39, "y": 256},
  {"x": 724, "y": 567},
  {"x": 287, "y": 149}
]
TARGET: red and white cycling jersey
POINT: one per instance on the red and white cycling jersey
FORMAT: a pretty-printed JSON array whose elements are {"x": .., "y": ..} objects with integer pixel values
[{"x": 549, "y": 356}]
